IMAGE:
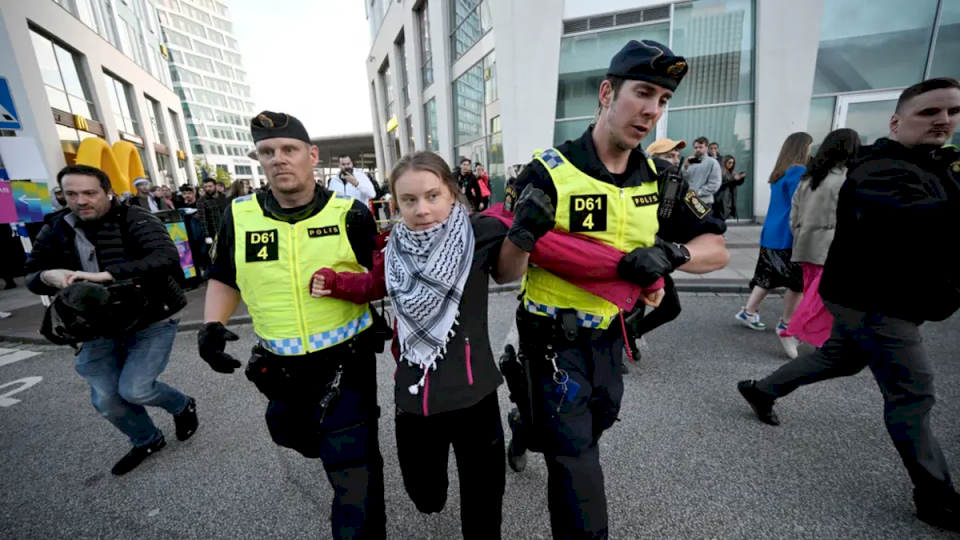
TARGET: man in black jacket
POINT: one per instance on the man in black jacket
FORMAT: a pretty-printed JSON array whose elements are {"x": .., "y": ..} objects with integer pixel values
[
  {"x": 897, "y": 195},
  {"x": 101, "y": 241}
]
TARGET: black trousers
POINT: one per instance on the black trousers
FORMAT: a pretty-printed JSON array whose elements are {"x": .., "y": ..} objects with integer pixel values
[
  {"x": 668, "y": 310},
  {"x": 476, "y": 433},
  {"x": 344, "y": 436},
  {"x": 567, "y": 430},
  {"x": 893, "y": 350}
]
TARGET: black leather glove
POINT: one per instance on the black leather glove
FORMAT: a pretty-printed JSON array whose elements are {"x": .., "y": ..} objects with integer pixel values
[
  {"x": 644, "y": 266},
  {"x": 533, "y": 217},
  {"x": 212, "y": 340}
]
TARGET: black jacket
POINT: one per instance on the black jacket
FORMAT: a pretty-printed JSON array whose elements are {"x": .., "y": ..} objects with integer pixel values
[
  {"x": 462, "y": 378},
  {"x": 130, "y": 243},
  {"x": 896, "y": 207}
]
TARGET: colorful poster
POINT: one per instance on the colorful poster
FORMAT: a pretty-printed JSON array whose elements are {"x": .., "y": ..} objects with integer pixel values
[
  {"x": 8, "y": 211},
  {"x": 32, "y": 201},
  {"x": 178, "y": 232}
]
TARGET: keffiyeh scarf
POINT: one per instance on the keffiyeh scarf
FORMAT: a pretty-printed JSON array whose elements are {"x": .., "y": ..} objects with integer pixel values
[{"x": 426, "y": 272}]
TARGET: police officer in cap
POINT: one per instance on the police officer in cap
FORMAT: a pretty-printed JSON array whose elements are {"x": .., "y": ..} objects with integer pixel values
[
  {"x": 314, "y": 358},
  {"x": 605, "y": 187}
]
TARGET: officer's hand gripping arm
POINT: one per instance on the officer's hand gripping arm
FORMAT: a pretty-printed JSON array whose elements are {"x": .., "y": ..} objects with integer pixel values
[{"x": 644, "y": 266}]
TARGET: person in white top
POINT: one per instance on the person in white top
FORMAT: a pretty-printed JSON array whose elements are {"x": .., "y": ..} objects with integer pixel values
[{"x": 352, "y": 182}]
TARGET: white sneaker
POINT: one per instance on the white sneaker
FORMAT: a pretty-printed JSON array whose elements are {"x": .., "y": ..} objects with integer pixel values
[
  {"x": 789, "y": 343},
  {"x": 751, "y": 321}
]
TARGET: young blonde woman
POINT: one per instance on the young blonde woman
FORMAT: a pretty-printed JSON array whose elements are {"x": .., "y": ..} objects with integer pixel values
[{"x": 774, "y": 265}]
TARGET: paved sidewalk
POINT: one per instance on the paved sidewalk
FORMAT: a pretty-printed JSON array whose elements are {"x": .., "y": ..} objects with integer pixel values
[{"x": 26, "y": 310}]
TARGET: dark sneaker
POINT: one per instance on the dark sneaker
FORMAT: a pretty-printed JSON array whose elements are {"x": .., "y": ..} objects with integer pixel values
[
  {"x": 516, "y": 450},
  {"x": 186, "y": 421},
  {"x": 940, "y": 508},
  {"x": 136, "y": 456},
  {"x": 762, "y": 403}
]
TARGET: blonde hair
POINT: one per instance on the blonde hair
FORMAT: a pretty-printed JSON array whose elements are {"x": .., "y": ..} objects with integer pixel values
[{"x": 428, "y": 162}]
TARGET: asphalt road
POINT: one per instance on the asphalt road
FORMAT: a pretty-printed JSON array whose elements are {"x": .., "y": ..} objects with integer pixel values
[{"x": 688, "y": 459}]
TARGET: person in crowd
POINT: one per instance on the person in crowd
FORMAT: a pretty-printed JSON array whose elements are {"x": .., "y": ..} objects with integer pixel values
[
  {"x": 896, "y": 193},
  {"x": 571, "y": 341},
  {"x": 209, "y": 212},
  {"x": 147, "y": 198},
  {"x": 167, "y": 195},
  {"x": 438, "y": 266},
  {"x": 774, "y": 265},
  {"x": 194, "y": 226},
  {"x": 238, "y": 189},
  {"x": 468, "y": 183},
  {"x": 713, "y": 150},
  {"x": 667, "y": 150},
  {"x": 702, "y": 172},
  {"x": 352, "y": 182},
  {"x": 314, "y": 359},
  {"x": 725, "y": 201},
  {"x": 59, "y": 202},
  {"x": 221, "y": 189},
  {"x": 813, "y": 220},
  {"x": 483, "y": 182},
  {"x": 102, "y": 241}
]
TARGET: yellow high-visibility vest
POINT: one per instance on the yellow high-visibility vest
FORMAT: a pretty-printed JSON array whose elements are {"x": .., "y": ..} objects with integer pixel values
[
  {"x": 625, "y": 218},
  {"x": 275, "y": 261}
]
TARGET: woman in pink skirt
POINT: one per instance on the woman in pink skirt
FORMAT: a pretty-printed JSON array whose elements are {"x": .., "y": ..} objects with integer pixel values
[{"x": 813, "y": 219}]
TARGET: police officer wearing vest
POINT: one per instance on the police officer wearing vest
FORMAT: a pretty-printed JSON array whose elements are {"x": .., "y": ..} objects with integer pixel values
[
  {"x": 604, "y": 187},
  {"x": 314, "y": 359}
]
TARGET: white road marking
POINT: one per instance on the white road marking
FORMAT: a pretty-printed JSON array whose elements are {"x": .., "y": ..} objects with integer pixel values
[
  {"x": 9, "y": 356},
  {"x": 26, "y": 382}
]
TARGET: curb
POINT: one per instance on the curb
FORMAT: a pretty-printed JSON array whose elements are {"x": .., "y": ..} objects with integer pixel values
[{"x": 683, "y": 285}]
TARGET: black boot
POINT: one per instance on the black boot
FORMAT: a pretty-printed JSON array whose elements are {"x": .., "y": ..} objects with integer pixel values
[
  {"x": 186, "y": 421},
  {"x": 517, "y": 449},
  {"x": 762, "y": 403},
  {"x": 136, "y": 456},
  {"x": 940, "y": 508}
]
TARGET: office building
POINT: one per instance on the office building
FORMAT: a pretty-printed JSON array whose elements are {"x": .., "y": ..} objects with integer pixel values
[
  {"x": 208, "y": 75},
  {"x": 93, "y": 68},
  {"x": 495, "y": 80}
]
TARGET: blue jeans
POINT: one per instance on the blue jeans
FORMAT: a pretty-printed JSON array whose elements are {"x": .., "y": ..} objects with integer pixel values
[{"x": 122, "y": 372}]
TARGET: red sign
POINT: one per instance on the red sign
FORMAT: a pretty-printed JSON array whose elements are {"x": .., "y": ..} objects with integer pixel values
[{"x": 8, "y": 210}]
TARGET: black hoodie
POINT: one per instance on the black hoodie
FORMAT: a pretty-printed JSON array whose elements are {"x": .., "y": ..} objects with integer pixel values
[{"x": 895, "y": 210}]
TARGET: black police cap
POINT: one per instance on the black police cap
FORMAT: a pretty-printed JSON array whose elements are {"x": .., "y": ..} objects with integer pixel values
[
  {"x": 649, "y": 61},
  {"x": 273, "y": 125}
]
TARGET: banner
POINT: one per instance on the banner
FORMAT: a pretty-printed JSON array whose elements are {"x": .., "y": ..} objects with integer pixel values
[
  {"x": 178, "y": 233},
  {"x": 8, "y": 210},
  {"x": 31, "y": 200}
]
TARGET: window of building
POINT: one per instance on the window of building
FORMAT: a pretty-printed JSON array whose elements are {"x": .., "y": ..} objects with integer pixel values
[
  {"x": 386, "y": 85},
  {"x": 716, "y": 37},
  {"x": 109, "y": 25},
  {"x": 377, "y": 11},
  {"x": 185, "y": 75},
  {"x": 209, "y": 50},
  {"x": 153, "y": 111},
  {"x": 233, "y": 57},
  {"x": 946, "y": 50},
  {"x": 177, "y": 39},
  {"x": 119, "y": 94},
  {"x": 408, "y": 125},
  {"x": 232, "y": 43},
  {"x": 198, "y": 148},
  {"x": 224, "y": 70},
  {"x": 61, "y": 72},
  {"x": 491, "y": 91},
  {"x": 471, "y": 20},
  {"x": 87, "y": 12},
  {"x": 216, "y": 37},
  {"x": 175, "y": 127},
  {"x": 198, "y": 62},
  {"x": 426, "y": 53},
  {"x": 226, "y": 26},
  {"x": 848, "y": 59},
  {"x": 402, "y": 74},
  {"x": 243, "y": 169},
  {"x": 189, "y": 26},
  {"x": 468, "y": 110}
]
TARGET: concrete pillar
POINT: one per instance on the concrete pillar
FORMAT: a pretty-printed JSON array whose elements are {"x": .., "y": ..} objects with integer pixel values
[{"x": 788, "y": 34}]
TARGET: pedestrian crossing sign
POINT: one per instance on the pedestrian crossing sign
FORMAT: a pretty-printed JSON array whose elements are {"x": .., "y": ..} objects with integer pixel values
[{"x": 9, "y": 118}]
